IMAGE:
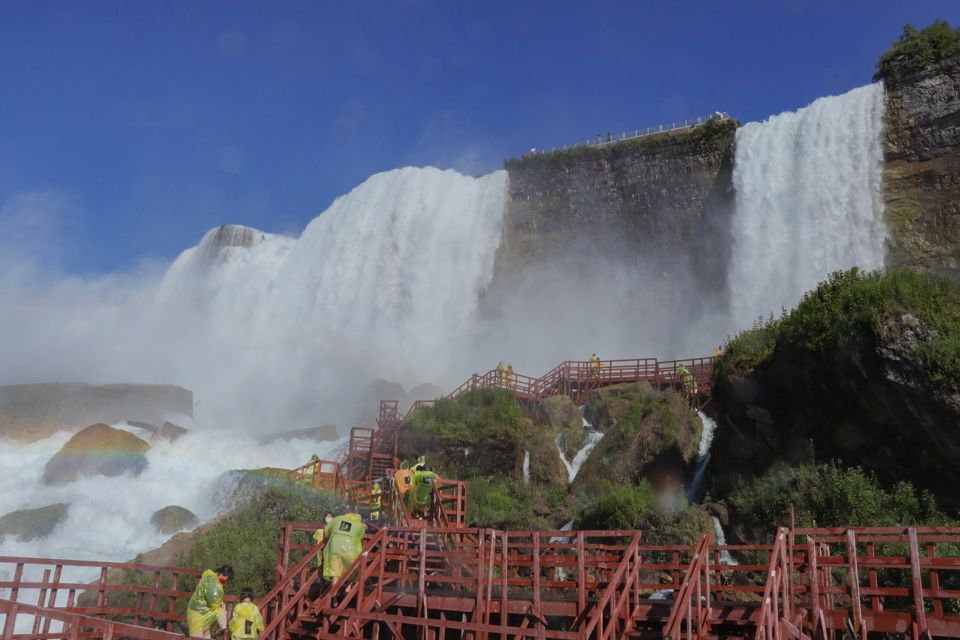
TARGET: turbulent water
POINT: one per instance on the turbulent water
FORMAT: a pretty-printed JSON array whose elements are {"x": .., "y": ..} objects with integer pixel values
[
  {"x": 809, "y": 200},
  {"x": 109, "y": 517}
]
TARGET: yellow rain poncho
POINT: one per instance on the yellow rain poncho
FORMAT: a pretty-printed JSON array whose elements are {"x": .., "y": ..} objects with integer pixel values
[
  {"x": 318, "y": 538},
  {"x": 420, "y": 498},
  {"x": 247, "y": 623},
  {"x": 206, "y": 605},
  {"x": 344, "y": 544}
]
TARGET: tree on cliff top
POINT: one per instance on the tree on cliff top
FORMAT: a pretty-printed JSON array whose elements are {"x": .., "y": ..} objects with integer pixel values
[{"x": 917, "y": 49}]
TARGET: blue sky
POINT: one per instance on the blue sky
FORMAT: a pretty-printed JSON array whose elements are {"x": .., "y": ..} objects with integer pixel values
[{"x": 141, "y": 124}]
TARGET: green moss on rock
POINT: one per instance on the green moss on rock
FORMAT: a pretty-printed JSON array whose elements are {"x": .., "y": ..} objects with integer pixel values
[{"x": 172, "y": 519}]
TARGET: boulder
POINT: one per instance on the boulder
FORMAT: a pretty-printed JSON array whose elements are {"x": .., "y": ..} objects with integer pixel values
[
  {"x": 172, "y": 519},
  {"x": 31, "y": 412},
  {"x": 28, "y": 524},
  {"x": 237, "y": 487},
  {"x": 171, "y": 431},
  {"x": 97, "y": 450}
]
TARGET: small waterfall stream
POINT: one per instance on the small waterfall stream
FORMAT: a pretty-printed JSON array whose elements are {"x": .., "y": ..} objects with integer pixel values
[
  {"x": 725, "y": 557},
  {"x": 573, "y": 466},
  {"x": 703, "y": 456},
  {"x": 526, "y": 467}
]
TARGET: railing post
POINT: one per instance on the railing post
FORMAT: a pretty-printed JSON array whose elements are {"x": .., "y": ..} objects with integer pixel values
[{"x": 919, "y": 615}]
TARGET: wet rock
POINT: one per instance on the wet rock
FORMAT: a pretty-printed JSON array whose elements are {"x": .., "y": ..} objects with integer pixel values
[
  {"x": 172, "y": 519},
  {"x": 30, "y": 412},
  {"x": 97, "y": 450},
  {"x": 29, "y": 524}
]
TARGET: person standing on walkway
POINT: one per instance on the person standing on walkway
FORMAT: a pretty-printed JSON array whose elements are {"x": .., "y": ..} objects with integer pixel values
[{"x": 206, "y": 605}]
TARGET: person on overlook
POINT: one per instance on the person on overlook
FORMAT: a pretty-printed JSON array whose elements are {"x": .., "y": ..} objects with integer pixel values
[
  {"x": 206, "y": 604},
  {"x": 509, "y": 378},
  {"x": 501, "y": 373},
  {"x": 420, "y": 499},
  {"x": 595, "y": 365},
  {"x": 687, "y": 378},
  {"x": 344, "y": 536},
  {"x": 246, "y": 623}
]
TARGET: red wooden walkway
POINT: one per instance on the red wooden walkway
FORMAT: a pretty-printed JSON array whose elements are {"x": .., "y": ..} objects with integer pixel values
[
  {"x": 445, "y": 583},
  {"x": 373, "y": 451}
]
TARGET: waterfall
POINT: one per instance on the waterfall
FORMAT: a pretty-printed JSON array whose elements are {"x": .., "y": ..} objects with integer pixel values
[
  {"x": 583, "y": 417},
  {"x": 526, "y": 467},
  {"x": 809, "y": 200},
  {"x": 378, "y": 285},
  {"x": 573, "y": 466},
  {"x": 703, "y": 456},
  {"x": 725, "y": 557}
]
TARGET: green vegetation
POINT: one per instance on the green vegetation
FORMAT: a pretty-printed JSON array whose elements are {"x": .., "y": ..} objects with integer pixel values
[
  {"x": 709, "y": 132},
  {"x": 477, "y": 414},
  {"x": 851, "y": 306},
  {"x": 247, "y": 538},
  {"x": 917, "y": 49},
  {"x": 664, "y": 519},
  {"x": 830, "y": 496}
]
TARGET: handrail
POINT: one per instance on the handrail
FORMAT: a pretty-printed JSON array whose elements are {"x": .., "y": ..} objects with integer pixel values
[
  {"x": 621, "y": 582},
  {"x": 776, "y": 606},
  {"x": 276, "y": 613},
  {"x": 73, "y": 622},
  {"x": 638, "y": 133},
  {"x": 695, "y": 587}
]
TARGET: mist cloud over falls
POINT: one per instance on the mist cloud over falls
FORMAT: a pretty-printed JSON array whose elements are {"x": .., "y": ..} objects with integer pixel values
[
  {"x": 394, "y": 281},
  {"x": 273, "y": 332}
]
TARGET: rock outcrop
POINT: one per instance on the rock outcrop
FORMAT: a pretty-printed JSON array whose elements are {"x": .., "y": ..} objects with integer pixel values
[
  {"x": 648, "y": 434},
  {"x": 97, "y": 450},
  {"x": 30, "y": 412},
  {"x": 659, "y": 197},
  {"x": 922, "y": 171},
  {"x": 172, "y": 519},
  {"x": 876, "y": 387},
  {"x": 28, "y": 524}
]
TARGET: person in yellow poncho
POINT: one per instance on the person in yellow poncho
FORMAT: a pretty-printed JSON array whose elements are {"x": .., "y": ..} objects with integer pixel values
[
  {"x": 206, "y": 604},
  {"x": 344, "y": 536},
  {"x": 246, "y": 623},
  {"x": 318, "y": 536}
]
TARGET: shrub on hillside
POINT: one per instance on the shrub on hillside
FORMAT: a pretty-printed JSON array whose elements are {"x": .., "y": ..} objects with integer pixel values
[
  {"x": 851, "y": 305},
  {"x": 481, "y": 413},
  {"x": 247, "y": 538},
  {"x": 830, "y": 496},
  {"x": 917, "y": 49}
]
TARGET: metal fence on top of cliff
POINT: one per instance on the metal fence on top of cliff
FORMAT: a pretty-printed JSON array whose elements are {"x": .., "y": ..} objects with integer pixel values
[{"x": 599, "y": 141}]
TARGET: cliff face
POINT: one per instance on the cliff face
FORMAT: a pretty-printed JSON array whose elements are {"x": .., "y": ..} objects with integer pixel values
[
  {"x": 922, "y": 171},
  {"x": 650, "y": 198},
  {"x": 30, "y": 412}
]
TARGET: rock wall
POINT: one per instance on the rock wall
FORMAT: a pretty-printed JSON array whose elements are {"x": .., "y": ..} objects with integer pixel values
[
  {"x": 922, "y": 172},
  {"x": 664, "y": 198},
  {"x": 30, "y": 412}
]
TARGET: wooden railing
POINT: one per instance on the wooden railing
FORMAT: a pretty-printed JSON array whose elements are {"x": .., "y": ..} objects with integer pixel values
[
  {"x": 138, "y": 594},
  {"x": 691, "y": 606},
  {"x": 70, "y": 625}
]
